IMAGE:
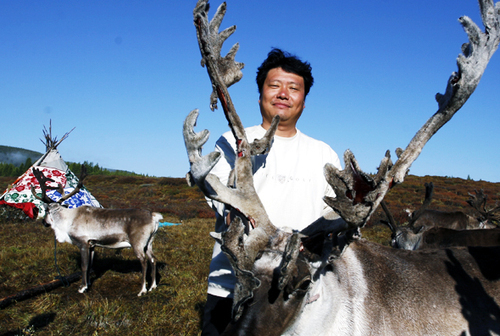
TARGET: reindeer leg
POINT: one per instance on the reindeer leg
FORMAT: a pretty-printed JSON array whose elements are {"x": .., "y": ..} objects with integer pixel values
[
  {"x": 91, "y": 261},
  {"x": 152, "y": 261},
  {"x": 85, "y": 254},
  {"x": 144, "y": 263}
]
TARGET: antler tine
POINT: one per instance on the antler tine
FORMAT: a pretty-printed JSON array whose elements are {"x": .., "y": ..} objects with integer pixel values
[
  {"x": 42, "y": 181},
  {"x": 200, "y": 165},
  {"x": 357, "y": 194},
  {"x": 494, "y": 215},
  {"x": 290, "y": 256},
  {"x": 391, "y": 222},
  {"x": 210, "y": 42},
  {"x": 477, "y": 201},
  {"x": 429, "y": 192},
  {"x": 83, "y": 175}
]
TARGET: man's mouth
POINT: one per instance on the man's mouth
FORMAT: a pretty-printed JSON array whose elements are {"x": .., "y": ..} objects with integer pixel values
[{"x": 281, "y": 105}]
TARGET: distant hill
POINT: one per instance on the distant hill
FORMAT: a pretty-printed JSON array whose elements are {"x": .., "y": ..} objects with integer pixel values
[
  {"x": 17, "y": 156},
  {"x": 14, "y": 156}
]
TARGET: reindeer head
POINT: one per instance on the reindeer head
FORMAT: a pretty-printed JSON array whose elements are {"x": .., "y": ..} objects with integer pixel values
[
  {"x": 407, "y": 237},
  {"x": 488, "y": 218},
  {"x": 274, "y": 286},
  {"x": 52, "y": 208},
  {"x": 281, "y": 279}
]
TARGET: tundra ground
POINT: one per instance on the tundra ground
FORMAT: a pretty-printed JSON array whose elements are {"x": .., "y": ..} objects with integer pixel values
[{"x": 111, "y": 306}]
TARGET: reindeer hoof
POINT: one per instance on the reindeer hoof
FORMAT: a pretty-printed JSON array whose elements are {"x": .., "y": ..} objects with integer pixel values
[
  {"x": 143, "y": 291},
  {"x": 83, "y": 289}
]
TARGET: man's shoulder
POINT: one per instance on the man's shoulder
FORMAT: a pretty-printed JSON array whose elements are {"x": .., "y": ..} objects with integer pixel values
[
  {"x": 320, "y": 148},
  {"x": 313, "y": 141}
]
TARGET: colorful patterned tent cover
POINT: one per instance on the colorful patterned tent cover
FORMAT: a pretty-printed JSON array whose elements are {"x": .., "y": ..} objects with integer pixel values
[{"x": 19, "y": 195}]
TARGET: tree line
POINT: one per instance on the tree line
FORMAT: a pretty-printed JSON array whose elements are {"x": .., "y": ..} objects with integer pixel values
[{"x": 8, "y": 169}]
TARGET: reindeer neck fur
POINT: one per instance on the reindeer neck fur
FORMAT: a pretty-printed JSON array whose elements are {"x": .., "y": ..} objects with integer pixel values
[
  {"x": 334, "y": 302},
  {"x": 60, "y": 219}
]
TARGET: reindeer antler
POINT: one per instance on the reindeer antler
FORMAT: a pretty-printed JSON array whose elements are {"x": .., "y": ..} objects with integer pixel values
[
  {"x": 240, "y": 193},
  {"x": 391, "y": 221},
  {"x": 429, "y": 192},
  {"x": 224, "y": 72},
  {"x": 210, "y": 42},
  {"x": 478, "y": 202},
  {"x": 357, "y": 195},
  {"x": 83, "y": 175},
  {"x": 42, "y": 180}
]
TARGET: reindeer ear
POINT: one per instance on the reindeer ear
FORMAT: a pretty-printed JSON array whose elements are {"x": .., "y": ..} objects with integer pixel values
[{"x": 313, "y": 246}]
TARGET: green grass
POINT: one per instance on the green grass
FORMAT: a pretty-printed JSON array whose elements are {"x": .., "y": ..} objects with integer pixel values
[{"x": 111, "y": 307}]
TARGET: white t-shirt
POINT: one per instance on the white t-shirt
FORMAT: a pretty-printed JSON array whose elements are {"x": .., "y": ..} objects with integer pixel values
[{"x": 289, "y": 181}]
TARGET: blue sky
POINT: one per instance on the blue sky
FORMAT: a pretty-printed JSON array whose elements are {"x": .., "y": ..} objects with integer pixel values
[{"x": 126, "y": 73}]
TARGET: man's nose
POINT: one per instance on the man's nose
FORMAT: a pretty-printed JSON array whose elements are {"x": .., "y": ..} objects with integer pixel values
[{"x": 283, "y": 94}]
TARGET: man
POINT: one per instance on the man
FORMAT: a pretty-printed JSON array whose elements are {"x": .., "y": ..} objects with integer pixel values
[{"x": 289, "y": 180}]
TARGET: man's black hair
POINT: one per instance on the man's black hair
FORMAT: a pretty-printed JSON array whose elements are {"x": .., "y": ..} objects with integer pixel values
[{"x": 278, "y": 58}]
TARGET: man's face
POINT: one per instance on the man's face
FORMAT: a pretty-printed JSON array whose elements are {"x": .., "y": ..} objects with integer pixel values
[{"x": 283, "y": 94}]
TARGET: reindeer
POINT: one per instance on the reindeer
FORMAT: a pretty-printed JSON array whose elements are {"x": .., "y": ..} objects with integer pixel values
[
  {"x": 327, "y": 280},
  {"x": 88, "y": 227},
  {"x": 456, "y": 220},
  {"x": 439, "y": 237},
  {"x": 411, "y": 236}
]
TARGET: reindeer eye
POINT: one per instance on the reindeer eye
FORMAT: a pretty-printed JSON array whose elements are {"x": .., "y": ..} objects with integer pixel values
[{"x": 304, "y": 285}]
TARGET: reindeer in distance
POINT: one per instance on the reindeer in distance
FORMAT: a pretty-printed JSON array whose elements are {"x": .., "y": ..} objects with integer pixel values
[
  {"x": 327, "y": 281},
  {"x": 428, "y": 227},
  {"x": 87, "y": 227}
]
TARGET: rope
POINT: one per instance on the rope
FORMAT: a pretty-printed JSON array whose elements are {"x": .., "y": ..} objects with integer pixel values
[{"x": 60, "y": 277}]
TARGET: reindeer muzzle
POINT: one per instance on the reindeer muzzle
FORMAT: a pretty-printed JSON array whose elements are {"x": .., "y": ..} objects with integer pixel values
[{"x": 44, "y": 222}]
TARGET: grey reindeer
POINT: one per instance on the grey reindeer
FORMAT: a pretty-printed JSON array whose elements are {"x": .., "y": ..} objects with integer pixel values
[{"x": 87, "y": 227}]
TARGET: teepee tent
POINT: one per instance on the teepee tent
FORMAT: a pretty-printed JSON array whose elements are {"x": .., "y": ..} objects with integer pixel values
[{"x": 19, "y": 195}]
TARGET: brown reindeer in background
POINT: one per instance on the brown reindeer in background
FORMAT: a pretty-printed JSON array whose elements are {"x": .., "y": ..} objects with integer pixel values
[{"x": 413, "y": 235}]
